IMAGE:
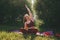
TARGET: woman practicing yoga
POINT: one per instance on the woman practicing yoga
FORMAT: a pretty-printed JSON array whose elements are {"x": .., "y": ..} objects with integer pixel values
[
  {"x": 29, "y": 23},
  {"x": 28, "y": 20}
]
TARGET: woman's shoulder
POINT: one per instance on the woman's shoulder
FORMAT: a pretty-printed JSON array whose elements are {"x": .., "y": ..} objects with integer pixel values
[{"x": 32, "y": 20}]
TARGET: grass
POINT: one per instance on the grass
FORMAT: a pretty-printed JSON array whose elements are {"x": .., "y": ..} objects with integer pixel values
[
  {"x": 16, "y": 36},
  {"x": 8, "y": 28},
  {"x": 5, "y": 35}
]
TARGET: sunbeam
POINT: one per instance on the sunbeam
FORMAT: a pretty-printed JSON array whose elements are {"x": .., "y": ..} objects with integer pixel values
[
  {"x": 37, "y": 21},
  {"x": 33, "y": 8}
]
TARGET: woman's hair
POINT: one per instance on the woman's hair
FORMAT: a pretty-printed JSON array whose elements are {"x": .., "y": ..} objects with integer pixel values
[{"x": 24, "y": 18}]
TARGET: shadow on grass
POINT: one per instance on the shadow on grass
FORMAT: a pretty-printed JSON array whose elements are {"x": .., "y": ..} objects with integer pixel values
[
  {"x": 9, "y": 28},
  {"x": 29, "y": 36},
  {"x": 12, "y": 28}
]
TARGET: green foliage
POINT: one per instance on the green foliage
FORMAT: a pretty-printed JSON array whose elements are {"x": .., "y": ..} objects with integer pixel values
[
  {"x": 9, "y": 28},
  {"x": 10, "y": 36},
  {"x": 38, "y": 23},
  {"x": 16, "y": 36},
  {"x": 11, "y": 12},
  {"x": 48, "y": 11}
]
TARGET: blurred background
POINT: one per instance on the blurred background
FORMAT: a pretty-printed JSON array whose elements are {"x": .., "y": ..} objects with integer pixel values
[{"x": 12, "y": 12}]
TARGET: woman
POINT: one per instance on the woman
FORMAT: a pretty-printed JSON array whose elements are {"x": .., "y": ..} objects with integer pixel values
[{"x": 28, "y": 18}]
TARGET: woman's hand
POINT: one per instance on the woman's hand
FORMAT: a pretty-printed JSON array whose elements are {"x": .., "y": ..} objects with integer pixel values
[{"x": 25, "y": 26}]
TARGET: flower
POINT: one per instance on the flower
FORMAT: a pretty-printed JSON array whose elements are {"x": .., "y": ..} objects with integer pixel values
[
  {"x": 48, "y": 33},
  {"x": 57, "y": 34}
]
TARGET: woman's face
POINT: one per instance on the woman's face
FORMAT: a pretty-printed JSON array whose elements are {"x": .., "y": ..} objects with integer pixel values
[{"x": 27, "y": 17}]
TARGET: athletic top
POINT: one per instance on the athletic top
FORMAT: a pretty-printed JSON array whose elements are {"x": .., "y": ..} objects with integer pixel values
[{"x": 31, "y": 24}]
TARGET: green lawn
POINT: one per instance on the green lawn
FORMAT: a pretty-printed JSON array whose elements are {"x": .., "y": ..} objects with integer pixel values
[
  {"x": 16, "y": 36},
  {"x": 5, "y": 35},
  {"x": 8, "y": 28}
]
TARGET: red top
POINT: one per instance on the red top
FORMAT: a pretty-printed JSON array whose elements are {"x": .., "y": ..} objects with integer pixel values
[{"x": 31, "y": 24}]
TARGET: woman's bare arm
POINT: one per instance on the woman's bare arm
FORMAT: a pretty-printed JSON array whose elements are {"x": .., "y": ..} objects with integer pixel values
[
  {"x": 30, "y": 13},
  {"x": 28, "y": 10},
  {"x": 25, "y": 26}
]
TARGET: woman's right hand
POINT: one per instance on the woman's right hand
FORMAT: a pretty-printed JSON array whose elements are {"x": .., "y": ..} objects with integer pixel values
[{"x": 26, "y": 28}]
